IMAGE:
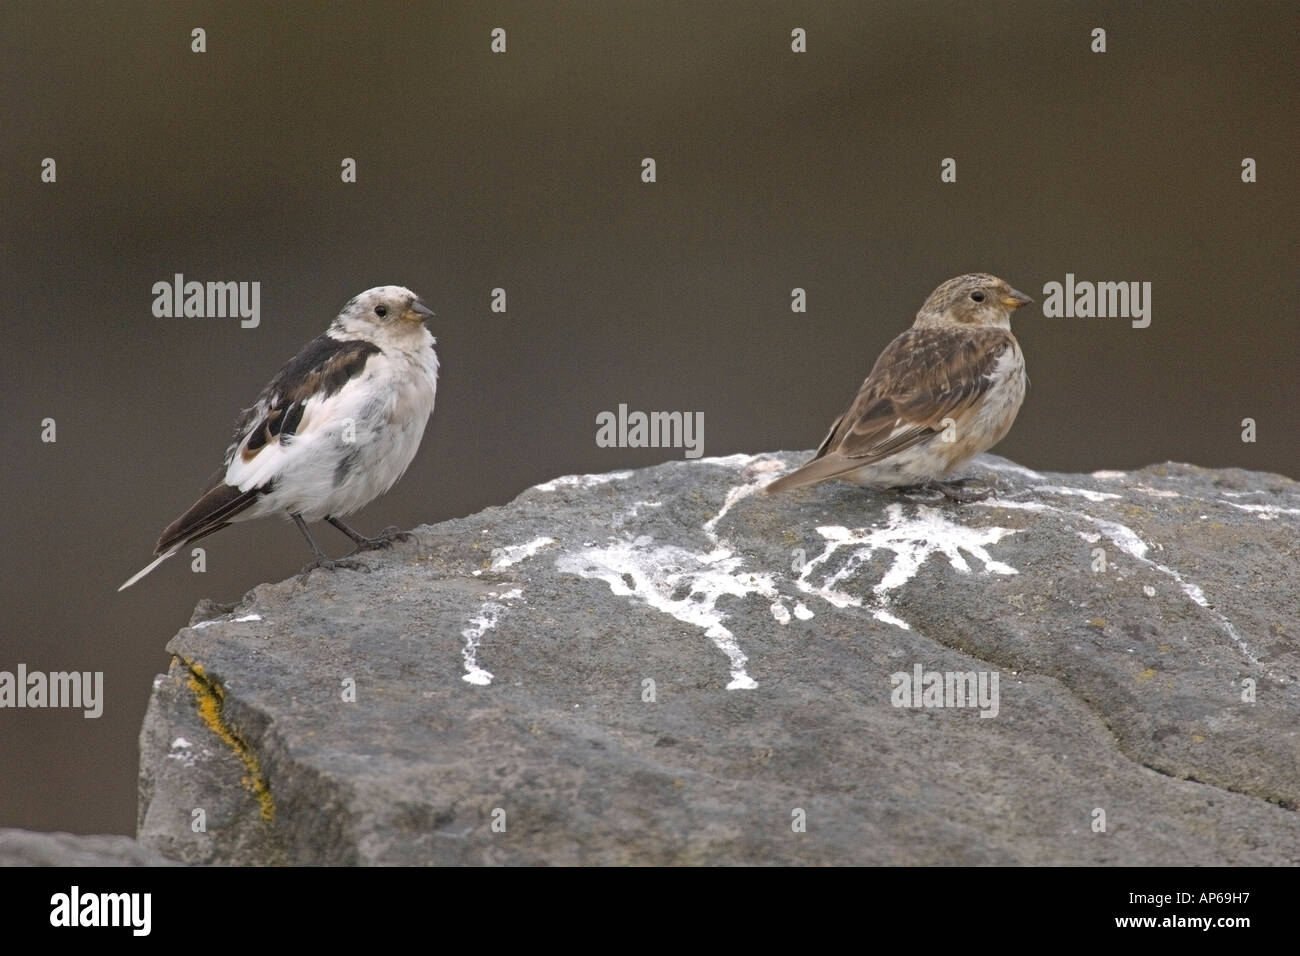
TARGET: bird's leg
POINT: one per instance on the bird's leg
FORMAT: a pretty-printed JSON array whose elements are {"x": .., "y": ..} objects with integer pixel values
[
  {"x": 322, "y": 560},
  {"x": 381, "y": 540}
]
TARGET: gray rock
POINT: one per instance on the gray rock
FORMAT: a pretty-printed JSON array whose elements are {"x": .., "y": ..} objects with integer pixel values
[
  {"x": 503, "y": 664},
  {"x": 30, "y": 848}
]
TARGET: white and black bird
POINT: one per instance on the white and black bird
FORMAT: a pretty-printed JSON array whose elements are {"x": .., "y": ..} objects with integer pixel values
[{"x": 335, "y": 428}]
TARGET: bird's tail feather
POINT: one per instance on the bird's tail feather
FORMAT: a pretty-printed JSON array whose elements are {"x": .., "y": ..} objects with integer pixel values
[
  {"x": 819, "y": 469},
  {"x": 212, "y": 512},
  {"x": 149, "y": 567}
]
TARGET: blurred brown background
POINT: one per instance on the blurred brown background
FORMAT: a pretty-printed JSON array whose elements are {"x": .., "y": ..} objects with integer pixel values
[{"x": 522, "y": 171}]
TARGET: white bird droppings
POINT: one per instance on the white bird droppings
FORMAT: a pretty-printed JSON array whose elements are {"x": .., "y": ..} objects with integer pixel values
[
  {"x": 686, "y": 584},
  {"x": 582, "y": 481},
  {"x": 880, "y": 614},
  {"x": 1157, "y": 492},
  {"x": 1009, "y": 466},
  {"x": 183, "y": 751},
  {"x": 487, "y": 619},
  {"x": 1080, "y": 492},
  {"x": 1128, "y": 541},
  {"x": 762, "y": 471},
  {"x": 513, "y": 554},
  {"x": 236, "y": 620},
  {"x": 1265, "y": 512},
  {"x": 681, "y": 583},
  {"x": 912, "y": 539}
]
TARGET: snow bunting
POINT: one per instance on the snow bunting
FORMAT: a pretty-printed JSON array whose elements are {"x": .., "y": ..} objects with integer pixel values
[
  {"x": 942, "y": 392},
  {"x": 333, "y": 430}
]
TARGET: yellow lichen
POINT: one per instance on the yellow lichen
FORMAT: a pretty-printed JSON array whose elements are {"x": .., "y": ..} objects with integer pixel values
[{"x": 211, "y": 697}]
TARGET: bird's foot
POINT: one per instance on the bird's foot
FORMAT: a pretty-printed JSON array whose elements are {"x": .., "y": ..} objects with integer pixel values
[
  {"x": 334, "y": 564},
  {"x": 925, "y": 492},
  {"x": 957, "y": 491},
  {"x": 384, "y": 539},
  {"x": 954, "y": 490}
]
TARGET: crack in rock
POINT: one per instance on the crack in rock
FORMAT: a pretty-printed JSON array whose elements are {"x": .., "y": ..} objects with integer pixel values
[{"x": 210, "y": 698}]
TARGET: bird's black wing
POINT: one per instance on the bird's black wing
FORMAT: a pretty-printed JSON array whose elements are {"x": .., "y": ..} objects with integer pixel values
[{"x": 320, "y": 370}]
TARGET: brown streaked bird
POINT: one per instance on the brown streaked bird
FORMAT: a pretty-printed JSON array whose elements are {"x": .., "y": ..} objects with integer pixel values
[
  {"x": 942, "y": 392},
  {"x": 335, "y": 428}
]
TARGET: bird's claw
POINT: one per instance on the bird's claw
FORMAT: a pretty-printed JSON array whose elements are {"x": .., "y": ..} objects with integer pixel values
[
  {"x": 384, "y": 539},
  {"x": 956, "y": 491},
  {"x": 334, "y": 564},
  {"x": 925, "y": 492}
]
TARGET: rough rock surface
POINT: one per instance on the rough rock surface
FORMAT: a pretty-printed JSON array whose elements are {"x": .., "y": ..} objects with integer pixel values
[
  {"x": 31, "y": 848},
  {"x": 1142, "y": 627}
]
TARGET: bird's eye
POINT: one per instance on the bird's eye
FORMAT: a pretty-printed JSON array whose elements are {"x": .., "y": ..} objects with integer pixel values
[
  {"x": 977, "y": 296},
  {"x": 381, "y": 310}
]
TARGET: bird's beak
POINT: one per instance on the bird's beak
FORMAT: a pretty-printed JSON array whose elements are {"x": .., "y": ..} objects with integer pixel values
[
  {"x": 1014, "y": 299},
  {"x": 418, "y": 311}
]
